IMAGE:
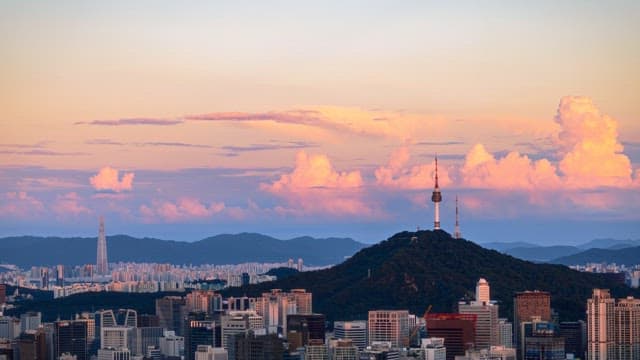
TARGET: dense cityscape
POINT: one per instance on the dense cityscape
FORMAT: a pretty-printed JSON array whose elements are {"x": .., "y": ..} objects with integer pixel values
[{"x": 319, "y": 180}]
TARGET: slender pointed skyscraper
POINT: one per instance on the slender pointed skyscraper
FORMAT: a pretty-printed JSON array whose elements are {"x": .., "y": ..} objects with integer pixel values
[
  {"x": 436, "y": 197},
  {"x": 102, "y": 265},
  {"x": 456, "y": 233}
]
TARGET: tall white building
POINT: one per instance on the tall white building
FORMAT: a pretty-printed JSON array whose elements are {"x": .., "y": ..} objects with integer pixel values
[
  {"x": 601, "y": 325},
  {"x": 483, "y": 291},
  {"x": 355, "y": 330},
  {"x": 433, "y": 349},
  {"x": 486, "y": 311}
]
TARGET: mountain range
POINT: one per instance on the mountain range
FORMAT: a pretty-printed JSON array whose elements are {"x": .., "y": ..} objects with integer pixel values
[
  {"x": 410, "y": 270},
  {"x": 625, "y": 256},
  {"x": 414, "y": 270},
  {"x": 26, "y": 251},
  {"x": 558, "y": 253}
]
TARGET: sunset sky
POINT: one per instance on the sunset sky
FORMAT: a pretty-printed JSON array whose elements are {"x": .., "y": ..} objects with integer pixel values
[{"x": 184, "y": 120}]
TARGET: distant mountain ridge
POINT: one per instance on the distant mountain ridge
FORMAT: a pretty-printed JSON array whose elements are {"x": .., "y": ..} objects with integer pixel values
[
  {"x": 625, "y": 256},
  {"x": 28, "y": 251},
  {"x": 539, "y": 253}
]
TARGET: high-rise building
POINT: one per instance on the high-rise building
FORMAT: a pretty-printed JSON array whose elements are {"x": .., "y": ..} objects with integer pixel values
[
  {"x": 528, "y": 305},
  {"x": 121, "y": 317},
  {"x": 389, "y": 325},
  {"x": 356, "y": 331},
  {"x": 114, "y": 354},
  {"x": 30, "y": 321},
  {"x": 342, "y": 349},
  {"x": 60, "y": 275},
  {"x": 238, "y": 322},
  {"x": 3, "y": 294},
  {"x": 540, "y": 341},
  {"x": 116, "y": 337},
  {"x": 171, "y": 313},
  {"x": 436, "y": 198},
  {"x": 487, "y": 328},
  {"x": 575, "y": 337},
  {"x": 303, "y": 301},
  {"x": 9, "y": 327},
  {"x": 305, "y": 329},
  {"x": 171, "y": 345},
  {"x": 203, "y": 300},
  {"x": 483, "y": 291},
  {"x": 72, "y": 337},
  {"x": 207, "y": 352},
  {"x": 32, "y": 345},
  {"x": 148, "y": 320},
  {"x": 505, "y": 333},
  {"x": 199, "y": 330},
  {"x": 434, "y": 349},
  {"x": 627, "y": 329},
  {"x": 458, "y": 331},
  {"x": 601, "y": 325},
  {"x": 102, "y": 264},
  {"x": 248, "y": 346},
  {"x": 44, "y": 278},
  {"x": 144, "y": 337},
  {"x": 316, "y": 352}
]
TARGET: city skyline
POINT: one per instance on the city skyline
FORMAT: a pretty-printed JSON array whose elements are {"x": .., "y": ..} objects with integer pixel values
[{"x": 288, "y": 119}]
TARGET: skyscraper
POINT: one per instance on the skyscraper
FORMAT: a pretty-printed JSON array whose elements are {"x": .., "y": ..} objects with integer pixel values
[
  {"x": 356, "y": 331},
  {"x": 436, "y": 197},
  {"x": 72, "y": 337},
  {"x": 3, "y": 293},
  {"x": 601, "y": 325},
  {"x": 389, "y": 325},
  {"x": 528, "y": 305},
  {"x": 627, "y": 329},
  {"x": 457, "y": 330},
  {"x": 305, "y": 329},
  {"x": 199, "y": 330},
  {"x": 102, "y": 265},
  {"x": 171, "y": 312}
]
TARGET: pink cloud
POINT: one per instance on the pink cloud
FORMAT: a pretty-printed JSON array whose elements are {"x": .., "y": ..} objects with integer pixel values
[
  {"x": 185, "y": 209},
  {"x": 514, "y": 171},
  {"x": 20, "y": 204},
  {"x": 314, "y": 186},
  {"x": 108, "y": 179},
  {"x": 397, "y": 174},
  {"x": 315, "y": 171},
  {"x": 592, "y": 154},
  {"x": 69, "y": 204}
]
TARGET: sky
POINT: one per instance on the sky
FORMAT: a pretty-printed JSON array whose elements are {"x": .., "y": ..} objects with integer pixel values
[{"x": 185, "y": 120}]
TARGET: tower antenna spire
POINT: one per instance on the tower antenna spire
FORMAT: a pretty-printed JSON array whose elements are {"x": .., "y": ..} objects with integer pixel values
[
  {"x": 457, "y": 234},
  {"x": 436, "y": 197}
]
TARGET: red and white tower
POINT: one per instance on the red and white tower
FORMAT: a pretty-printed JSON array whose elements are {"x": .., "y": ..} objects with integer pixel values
[{"x": 436, "y": 197}]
